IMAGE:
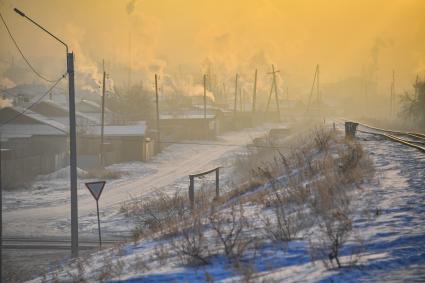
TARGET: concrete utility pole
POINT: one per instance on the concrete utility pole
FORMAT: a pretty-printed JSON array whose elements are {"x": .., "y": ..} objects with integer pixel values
[
  {"x": 158, "y": 135},
  {"x": 1, "y": 212},
  {"x": 205, "y": 97},
  {"x": 254, "y": 94},
  {"x": 72, "y": 138},
  {"x": 236, "y": 95},
  {"x": 102, "y": 163}
]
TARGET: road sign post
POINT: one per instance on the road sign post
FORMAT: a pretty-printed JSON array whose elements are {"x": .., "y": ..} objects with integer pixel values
[{"x": 96, "y": 189}]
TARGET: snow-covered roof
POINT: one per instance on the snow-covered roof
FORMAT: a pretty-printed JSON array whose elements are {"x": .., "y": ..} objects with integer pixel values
[
  {"x": 40, "y": 119},
  {"x": 94, "y": 106},
  {"x": 185, "y": 116},
  {"x": 43, "y": 126},
  {"x": 66, "y": 110},
  {"x": 136, "y": 130}
]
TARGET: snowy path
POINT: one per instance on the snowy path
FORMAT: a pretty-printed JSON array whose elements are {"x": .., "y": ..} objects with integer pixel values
[{"x": 168, "y": 169}]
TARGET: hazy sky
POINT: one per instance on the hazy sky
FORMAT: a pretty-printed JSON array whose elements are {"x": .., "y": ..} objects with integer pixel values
[{"x": 347, "y": 38}]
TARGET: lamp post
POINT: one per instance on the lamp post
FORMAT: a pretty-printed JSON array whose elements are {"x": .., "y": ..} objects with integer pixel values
[{"x": 72, "y": 138}]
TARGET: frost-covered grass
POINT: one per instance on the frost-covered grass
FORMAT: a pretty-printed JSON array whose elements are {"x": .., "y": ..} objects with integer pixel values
[{"x": 294, "y": 219}]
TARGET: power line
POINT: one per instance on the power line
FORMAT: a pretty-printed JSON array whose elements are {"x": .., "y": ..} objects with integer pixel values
[
  {"x": 35, "y": 102},
  {"x": 22, "y": 54}
]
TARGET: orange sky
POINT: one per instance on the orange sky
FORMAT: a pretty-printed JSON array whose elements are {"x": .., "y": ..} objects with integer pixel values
[{"x": 347, "y": 38}]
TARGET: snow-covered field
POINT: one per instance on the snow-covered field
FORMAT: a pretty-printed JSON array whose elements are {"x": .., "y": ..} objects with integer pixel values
[
  {"x": 43, "y": 209},
  {"x": 393, "y": 240}
]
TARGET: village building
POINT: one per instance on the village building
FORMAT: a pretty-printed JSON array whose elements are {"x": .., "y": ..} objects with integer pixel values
[{"x": 32, "y": 145}]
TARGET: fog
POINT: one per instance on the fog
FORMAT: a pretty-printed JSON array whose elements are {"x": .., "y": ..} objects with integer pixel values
[{"x": 357, "y": 44}]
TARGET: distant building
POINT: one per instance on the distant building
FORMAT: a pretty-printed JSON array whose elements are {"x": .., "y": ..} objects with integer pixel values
[
  {"x": 94, "y": 110},
  {"x": 187, "y": 126},
  {"x": 33, "y": 145},
  {"x": 122, "y": 143}
]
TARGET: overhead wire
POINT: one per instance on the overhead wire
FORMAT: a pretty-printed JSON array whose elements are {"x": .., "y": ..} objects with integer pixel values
[
  {"x": 23, "y": 55},
  {"x": 35, "y": 102}
]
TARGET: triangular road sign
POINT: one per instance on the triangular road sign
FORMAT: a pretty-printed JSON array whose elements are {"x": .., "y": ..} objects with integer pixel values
[{"x": 96, "y": 188}]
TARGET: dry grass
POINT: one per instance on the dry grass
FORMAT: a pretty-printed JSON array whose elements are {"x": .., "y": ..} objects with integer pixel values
[{"x": 102, "y": 173}]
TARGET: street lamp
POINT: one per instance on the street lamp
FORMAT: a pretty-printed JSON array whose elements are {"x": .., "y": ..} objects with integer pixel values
[{"x": 72, "y": 138}]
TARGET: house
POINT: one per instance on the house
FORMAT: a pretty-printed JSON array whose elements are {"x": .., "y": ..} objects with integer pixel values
[
  {"x": 122, "y": 143},
  {"x": 94, "y": 110},
  {"x": 60, "y": 114},
  {"x": 32, "y": 145},
  {"x": 188, "y": 126}
]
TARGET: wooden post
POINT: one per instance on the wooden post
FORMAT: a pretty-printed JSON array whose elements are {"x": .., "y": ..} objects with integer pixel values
[
  {"x": 158, "y": 136},
  {"x": 217, "y": 182},
  {"x": 276, "y": 95},
  {"x": 240, "y": 100},
  {"x": 236, "y": 95},
  {"x": 205, "y": 97},
  {"x": 102, "y": 154},
  {"x": 254, "y": 94},
  {"x": 191, "y": 192}
]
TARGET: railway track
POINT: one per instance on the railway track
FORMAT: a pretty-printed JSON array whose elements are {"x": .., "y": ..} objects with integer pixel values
[
  {"x": 415, "y": 140},
  {"x": 19, "y": 243}
]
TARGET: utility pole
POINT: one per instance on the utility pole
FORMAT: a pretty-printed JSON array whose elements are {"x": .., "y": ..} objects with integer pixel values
[
  {"x": 158, "y": 136},
  {"x": 274, "y": 84},
  {"x": 236, "y": 96},
  {"x": 103, "y": 117},
  {"x": 416, "y": 85},
  {"x": 129, "y": 60},
  {"x": 315, "y": 78},
  {"x": 240, "y": 100},
  {"x": 73, "y": 157},
  {"x": 205, "y": 97},
  {"x": 392, "y": 95},
  {"x": 319, "y": 98},
  {"x": 1, "y": 212},
  {"x": 254, "y": 94},
  {"x": 72, "y": 138},
  {"x": 225, "y": 95}
]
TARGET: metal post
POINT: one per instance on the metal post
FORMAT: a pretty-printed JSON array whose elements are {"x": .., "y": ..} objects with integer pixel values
[
  {"x": 73, "y": 156},
  {"x": 217, "y": 182},
  {"x": 98, "y": 223},
  {"x": 192, "y": 192},
  {"x": 158, "y": 136},
  {"x": 103, "y": 117}
]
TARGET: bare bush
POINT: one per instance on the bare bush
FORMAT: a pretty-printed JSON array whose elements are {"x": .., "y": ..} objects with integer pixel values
[
  {"x": 192, "y": 245},
  {"x": 102, "y": 173},
  {"x": 322, "y": 137},
  {"x": 286, "y": 224},
  {"x": 229, "y": 229},
  {"x": 158, "y": 213}
]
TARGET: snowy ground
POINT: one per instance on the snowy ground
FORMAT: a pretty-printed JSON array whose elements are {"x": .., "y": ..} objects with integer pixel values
[
  {"x": 393, "y": 247},
  {"x": 43, "y": 210}
]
